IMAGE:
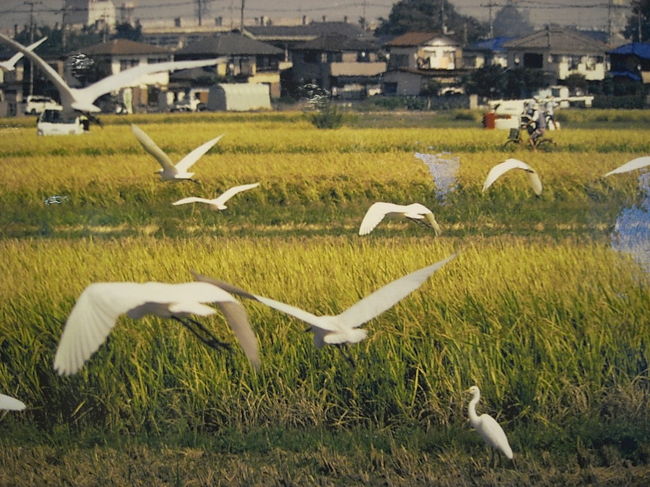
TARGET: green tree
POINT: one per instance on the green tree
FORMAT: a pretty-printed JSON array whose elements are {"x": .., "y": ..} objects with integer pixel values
[
  {"x": 638, "y": 23},
  {"x": 489, "y": 81},
  {"x": 523, "y": 82},
  {"x": 430, "y": 16},
  {"x": 128, "y": 31},
  {"x": 510, "y": 22},
  {"x": 576, "y": 81}
]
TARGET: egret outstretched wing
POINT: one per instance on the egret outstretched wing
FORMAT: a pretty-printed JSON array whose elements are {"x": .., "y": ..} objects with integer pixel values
[
  {"x": 188, "y": 161},
  {"x": 152, "y": 148},
  {"x": 10, "y": 64},
  {"x": 226, "y": 195},
  {"x": 497, "y": 171},
  {"x": 8, "y": 403},
  {"x": 634, "y": 164},
  {"x": 376, "y": 214},
  {"x": 192, "y": 199}
]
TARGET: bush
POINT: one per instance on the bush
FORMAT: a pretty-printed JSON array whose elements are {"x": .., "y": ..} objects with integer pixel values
[
  {"x": 627, "y": 101},
  {"x": 328, "y": 117}
]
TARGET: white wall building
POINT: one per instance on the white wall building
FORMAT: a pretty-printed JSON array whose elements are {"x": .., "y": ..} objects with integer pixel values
[{"x": 100, "y": 13}]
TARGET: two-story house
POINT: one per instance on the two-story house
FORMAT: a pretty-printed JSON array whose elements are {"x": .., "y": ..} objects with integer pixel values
[
  {"x": 117, "y": 55},
  {"x": 348, "y": 68},
  {"x": 416, "y": 58},
  {"x": 247, "y": 60},
  {"x": 560, "y": 53},
  {"x": 489, "y": 52},
  {"x": 631, "y": 61}
]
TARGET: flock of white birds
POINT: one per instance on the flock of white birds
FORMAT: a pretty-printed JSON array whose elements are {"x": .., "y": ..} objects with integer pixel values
[{"x": 99, "y": 306}]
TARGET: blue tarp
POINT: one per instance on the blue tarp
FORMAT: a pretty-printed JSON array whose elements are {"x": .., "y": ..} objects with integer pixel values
[
  {"x": 495, "y": 44},
  {"x": 628, "y": 74},
  {"x": 640, "y": 49}
]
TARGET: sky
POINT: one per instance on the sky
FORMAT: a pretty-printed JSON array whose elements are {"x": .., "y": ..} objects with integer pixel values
[{"x": 584, "y": 13}]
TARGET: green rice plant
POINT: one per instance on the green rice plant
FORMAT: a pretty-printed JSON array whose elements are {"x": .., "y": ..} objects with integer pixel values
[{"x": 548, "y": 330}]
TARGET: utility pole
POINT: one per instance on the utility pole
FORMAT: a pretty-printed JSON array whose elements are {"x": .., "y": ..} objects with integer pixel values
[
  {"x": 241, "y": 23},
  {"x": 491, "y": 20},
  {"x": 31, "y": 40},
  {"x": 63, "y": 23}
]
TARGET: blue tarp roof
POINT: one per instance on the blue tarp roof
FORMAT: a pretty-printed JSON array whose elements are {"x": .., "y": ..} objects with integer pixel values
[
  {"x": 640, "y": 49},
  {"x": 627, "y": 74},
  {"x": 495, "y": 44}
]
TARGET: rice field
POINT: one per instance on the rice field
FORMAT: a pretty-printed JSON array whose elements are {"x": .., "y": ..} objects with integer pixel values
[{"x": 538, "y": 309}]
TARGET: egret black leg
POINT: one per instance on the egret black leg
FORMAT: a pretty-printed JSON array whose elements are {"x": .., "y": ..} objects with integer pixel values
[{"x": 202, "y": 333}]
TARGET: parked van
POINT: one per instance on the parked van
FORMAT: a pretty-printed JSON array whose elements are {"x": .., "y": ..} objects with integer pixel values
[
  {"x": 36, "y": 104},
  {"x": 55, "y": 122}
]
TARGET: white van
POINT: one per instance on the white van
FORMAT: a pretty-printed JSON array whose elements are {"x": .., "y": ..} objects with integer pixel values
[
  {"x": 37, "y": 104},
  {"x": 54, "y": 122}
]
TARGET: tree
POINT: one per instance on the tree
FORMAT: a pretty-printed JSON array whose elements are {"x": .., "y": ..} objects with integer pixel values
[
  {"x": 575, "y": 82},
  {"x": 430, "y": 16},
  {"x": 523, "y": 82},
  {"x": 128, "y": 31},
  {"x": 488, "y": 81},
  {"x": 510, "y": 22},
  {"x": 638, "y": 24}
]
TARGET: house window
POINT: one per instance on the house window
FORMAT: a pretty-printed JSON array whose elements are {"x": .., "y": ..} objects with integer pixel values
[
  {"x": 128, "y": 63},
  {"x": 533, "y": 60},
  {"x": 311, "y": 57},
  {"x": 574, "y": 62},
  {"x": 334, "y": 57},
  {"x": 390, "y": 88},
  {"x": 590, "y": 63},
  {"x": 399, "y": 61},
  {"x": 363, "y": 57},
  {"x": 155, "y": 60}
]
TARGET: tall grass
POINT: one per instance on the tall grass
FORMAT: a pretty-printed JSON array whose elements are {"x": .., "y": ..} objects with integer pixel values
[{"x": 548, "y": 331}]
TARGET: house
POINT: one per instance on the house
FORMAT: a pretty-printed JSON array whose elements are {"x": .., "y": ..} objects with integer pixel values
[
  {"x": 89, "y": 13},
  {"x": 288, "y": 36},
  {"x": 489, "y": 52},
  {"x": 248, "y": 60},
  {"x": 560, "y": 53},
  {"x": 119, "y": 54},
  {"x": 417, "y": 60},
  {"x": 347, "y": 67},
  {"x": 631, "y": 61}
]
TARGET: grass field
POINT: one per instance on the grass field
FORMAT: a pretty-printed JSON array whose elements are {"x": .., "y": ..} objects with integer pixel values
[{"x": 537, "y": 309}]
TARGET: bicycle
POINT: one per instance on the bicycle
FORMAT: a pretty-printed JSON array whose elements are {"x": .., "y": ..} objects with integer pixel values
[{"x": 539, "y": 142}]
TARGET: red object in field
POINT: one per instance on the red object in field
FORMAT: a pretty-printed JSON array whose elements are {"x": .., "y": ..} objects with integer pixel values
[{"x": 489, "y": 120}]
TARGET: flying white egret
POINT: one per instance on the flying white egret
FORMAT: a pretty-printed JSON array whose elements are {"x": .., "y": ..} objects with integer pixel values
[
  {"x": 632, "y": 165},
  {"x": 10, "y": 64},
  {"x": 217, "y": 203},
  {"x": 379, "y": 210},
  {"x": 169, "y": 171},
  {"x": 81, "y": 99},
  {"x": 10, "y": 404},
  {"x": 96, "y": 311},
  {"x": 487, "y": 426},
  {"x": 500, "y": 169},
  {"x": 344, "y": 327}
]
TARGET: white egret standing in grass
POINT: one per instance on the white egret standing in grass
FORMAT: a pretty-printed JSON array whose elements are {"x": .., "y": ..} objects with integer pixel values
[
  {"x": 416, "y": 212},
  {"x": 169, "y": 171},
  {"x": 500, "y": 169},
  {"x": 10, "y": 64},
  {"x": 487, "y": 426},
  {"x": 94, "y": 315},
  {"x": 10, "y": 404},
  {"x": 344, "y": 327},
  {"x": 632, "y": 165},
  {"x": 82, "y": 99},
  {"x": 217, "y": 203}
]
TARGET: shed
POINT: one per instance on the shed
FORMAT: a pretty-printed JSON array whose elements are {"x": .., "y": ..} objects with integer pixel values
[{"x": 239, "y": 97}]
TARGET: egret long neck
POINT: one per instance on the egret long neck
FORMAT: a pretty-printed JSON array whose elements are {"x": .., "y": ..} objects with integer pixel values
[{"x": 471, "y": 409}]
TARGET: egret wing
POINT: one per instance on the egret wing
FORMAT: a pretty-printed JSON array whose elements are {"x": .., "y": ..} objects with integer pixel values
[
  {"x": 192, "y": 199},
  {"x": 535, "y": 182},
  {"x": 62, "y": 86},
  {"x": 388, "y": 295},
  {"x": 128, "y": 76},
  {"x": 152, "y": 148},
  {"x": 497, "y": 171},
  {"x": 226, "y": 195},
  {"x": 237, "y": 318},
  {"x": 376, "y": 214},
  {"x": 10, "y": 63},
  {"x": 188, "y": 161},
  {"x": 632, "y": 165},
  {"x": 494, "y": 434},
  {"x": 10, "y": 403}
]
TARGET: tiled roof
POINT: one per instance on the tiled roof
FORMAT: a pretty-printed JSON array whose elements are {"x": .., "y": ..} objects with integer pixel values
[
  {"x": 558, "y": 40},
  {"x": 124, "y": 47},
  {"x": 228, "y": 45},
  {"x": 336, "y": 43},
  {"x": 411, "y": 39},
  {"x": 305, "y": 32},
  {"x": 640, "y": 49}
]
